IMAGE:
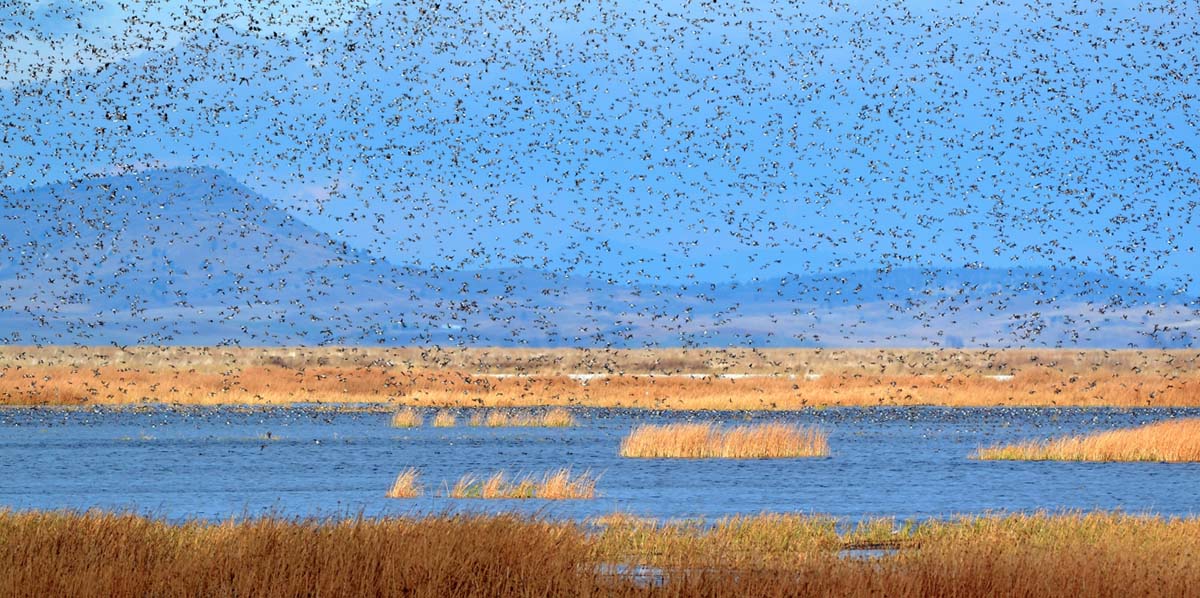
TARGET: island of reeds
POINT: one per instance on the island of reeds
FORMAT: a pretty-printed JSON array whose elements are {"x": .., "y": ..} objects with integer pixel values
[
  {"x": 1067, "y": 555},
  {"x": 709, "y": 441},
  {"x": 1175, "y": 441}
]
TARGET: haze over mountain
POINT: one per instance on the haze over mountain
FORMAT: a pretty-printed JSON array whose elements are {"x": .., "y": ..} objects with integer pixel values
[{"x": 191, "y": 256}]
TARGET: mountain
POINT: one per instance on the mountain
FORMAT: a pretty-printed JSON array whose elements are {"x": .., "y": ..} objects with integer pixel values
[{"x": 191, "y": 256}]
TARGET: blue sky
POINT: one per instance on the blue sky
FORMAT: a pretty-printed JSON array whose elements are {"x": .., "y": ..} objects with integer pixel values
[{"x": 647, "y": 141}]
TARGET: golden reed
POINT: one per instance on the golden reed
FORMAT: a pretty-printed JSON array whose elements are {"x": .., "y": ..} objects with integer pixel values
[
  {"x": 556, "y": 485},
  {"x": 1174, "y": 441},
  {"x": 705, "y": 441},
  {"x": 118, "y": 555},
  {"x": 406, "y": 485}
]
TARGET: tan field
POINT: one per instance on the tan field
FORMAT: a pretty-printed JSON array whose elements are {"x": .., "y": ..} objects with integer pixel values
[
  {"x": 1175, "y": 441},
  {"x": 100, "y": 554},
  {"x": 651, "y": 379}
]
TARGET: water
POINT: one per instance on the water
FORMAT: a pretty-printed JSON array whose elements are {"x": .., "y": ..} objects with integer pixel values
[{"x": 904, "y": 462}]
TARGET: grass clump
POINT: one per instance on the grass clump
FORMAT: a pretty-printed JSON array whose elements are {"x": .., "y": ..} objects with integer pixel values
[
  {"x": 407, "y": 418},
  {"x": 556, "y": 485},
  {"x": 406, "y": 485},
  {"x": 444, "y": 419},
  {"x": 553, "y": 418},
  {"x": 1170, "y": 441},
  {"x": 707, "y": 441}
]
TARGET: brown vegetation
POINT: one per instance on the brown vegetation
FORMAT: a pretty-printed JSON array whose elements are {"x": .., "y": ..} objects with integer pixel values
[
  {"x": 553, "y": 418},
  {"x": 406, "y": 485},
  {"x": 444, "y": 419},
  {"x": 556, "y": 485},
  {"x": 1169, "y": 441},
  {"x": 407, "y": 418},
  {"x": 706, "y": 441},
  {"x": 97, "y": 554},
  {"x": 777, "y": 380}
]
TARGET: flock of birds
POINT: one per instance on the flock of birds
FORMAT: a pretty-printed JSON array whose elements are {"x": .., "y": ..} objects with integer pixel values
[{"x": 604, "y": 174}]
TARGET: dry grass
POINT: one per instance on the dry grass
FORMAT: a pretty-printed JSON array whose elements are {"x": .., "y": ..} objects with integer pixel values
[
  {"x": 554, "y": 418},
  {"x": 1175, "y": 441},
  {"x": 97, "y": 554},
  {"x": 655, "y": 379},
  {"x": 105, "y": 555},
  {"x": 407, "y": 418},
  {"x": 444, "y": 419},
  {"x": 561, "y": 485},
  {"x": 555, "y": 485},
  {"x": 707, "y": 441},
  {"x": 406, "y": 485}
]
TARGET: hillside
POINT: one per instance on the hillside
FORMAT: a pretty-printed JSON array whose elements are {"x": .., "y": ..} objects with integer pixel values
[{"x": 191, "y": 256}]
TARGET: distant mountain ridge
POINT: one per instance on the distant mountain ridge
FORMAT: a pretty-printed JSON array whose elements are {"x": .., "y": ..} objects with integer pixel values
[{"x": 191, "y": 256}]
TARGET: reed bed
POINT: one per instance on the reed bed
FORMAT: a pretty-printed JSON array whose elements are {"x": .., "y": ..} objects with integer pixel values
[
  {"x": 1176, "y": 441},
  {"x": 406, "y": 485},
  {"x": 407, "y": 418},
  {"x": 708, "y": 441},
  {"x": 1072, "y": 554},
  {"x": 444, "y": 419},
  {"x": 556, "y": 485},
  {"x": 37, "y": 384},
  {"x": 553, "y": 418}
]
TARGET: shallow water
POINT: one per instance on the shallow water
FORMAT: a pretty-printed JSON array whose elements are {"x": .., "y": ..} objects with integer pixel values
[{"x": 904, "y": 462}]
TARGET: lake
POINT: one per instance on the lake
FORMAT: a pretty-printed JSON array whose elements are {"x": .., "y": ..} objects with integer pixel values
[{"x": 215, "y": 463}]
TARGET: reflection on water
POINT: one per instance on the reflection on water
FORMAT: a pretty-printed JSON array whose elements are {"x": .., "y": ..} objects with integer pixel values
[{"x": 904, "y": 462}]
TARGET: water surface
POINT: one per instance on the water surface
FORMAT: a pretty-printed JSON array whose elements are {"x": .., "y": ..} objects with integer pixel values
[{"x": 905, "y": 462}]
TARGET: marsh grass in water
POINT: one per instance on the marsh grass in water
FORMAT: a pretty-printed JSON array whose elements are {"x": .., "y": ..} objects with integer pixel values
[
  {"x": 444, "y": 419},
  {"x": 556, "y": 485},
  {"x": 1169, "y": 441},
  {"x": 406, "y": 485},
  {"x": 552, "y": 418},
  {"x": 709, "y": 441},
  {"x": 407, "y": 418}
]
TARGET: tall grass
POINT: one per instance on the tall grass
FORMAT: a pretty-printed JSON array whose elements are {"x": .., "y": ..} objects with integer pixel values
[
  {"x": 106, "y": 555},
  {"x": 553, "y": 418},
  {"x": 556, "y": 485},
  {"x": 99, "y": 554},
  {"x": 444, "y": 419},
  {"x": 705, "y": 441},
  {"x": 406, "y": 485},
  {"x": 1169, "y": 441},
  {"x": 407, "y": 418}
]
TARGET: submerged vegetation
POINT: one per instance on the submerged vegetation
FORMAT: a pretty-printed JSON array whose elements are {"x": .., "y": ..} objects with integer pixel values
[
  {"x": 102, "y": 554},
  {"x": 555, "y": 485},
  {"x": 704, "y": 441},
  {"x": 1169, "y": 441}
]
